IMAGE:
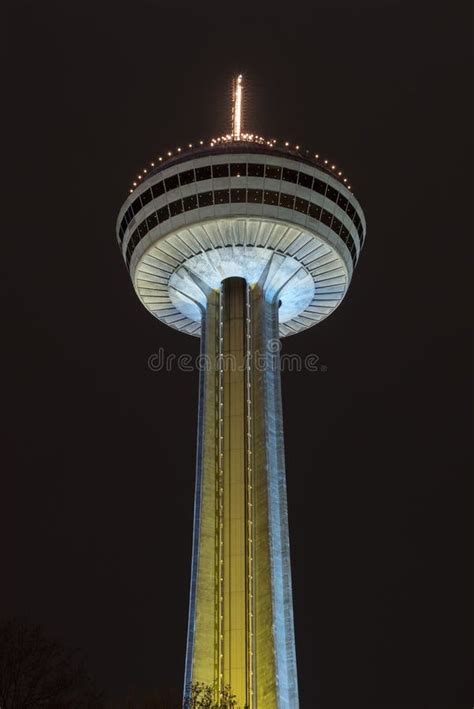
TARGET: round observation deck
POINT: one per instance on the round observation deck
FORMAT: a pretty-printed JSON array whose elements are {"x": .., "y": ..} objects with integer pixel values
[{"x": 241, "y": 210}]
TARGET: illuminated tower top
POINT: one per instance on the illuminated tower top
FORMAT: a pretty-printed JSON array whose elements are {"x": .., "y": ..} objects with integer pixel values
[{"x": 232, "y": 207}]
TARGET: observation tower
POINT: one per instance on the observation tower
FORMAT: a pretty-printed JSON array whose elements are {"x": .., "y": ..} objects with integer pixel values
[{"x": 241, "y": 241}]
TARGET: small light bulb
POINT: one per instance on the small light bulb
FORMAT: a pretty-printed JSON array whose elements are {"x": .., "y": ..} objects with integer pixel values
[
  {"x": 160, "y": 158},
  {"x": 200, "y": 142},
  {"x": 169, "y": 153},
  {"x": 152, "y": 164},
  {"x": 179, "y": 150}
]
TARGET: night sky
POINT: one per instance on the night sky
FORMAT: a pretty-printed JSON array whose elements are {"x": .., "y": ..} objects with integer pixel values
[{"x": 99, "y": 451}]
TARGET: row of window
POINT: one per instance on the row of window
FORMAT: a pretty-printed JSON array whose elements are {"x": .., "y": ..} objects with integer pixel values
[
  {"x": 274, "y": 172},
  {"x": 206, "y": 199}
]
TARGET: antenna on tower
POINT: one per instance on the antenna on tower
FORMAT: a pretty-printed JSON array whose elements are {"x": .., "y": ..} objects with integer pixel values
[{"x": 237, "y": 107}]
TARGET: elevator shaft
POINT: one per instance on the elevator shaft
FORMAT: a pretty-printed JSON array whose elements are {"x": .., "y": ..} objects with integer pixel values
[{"x": 241, "y": 618}]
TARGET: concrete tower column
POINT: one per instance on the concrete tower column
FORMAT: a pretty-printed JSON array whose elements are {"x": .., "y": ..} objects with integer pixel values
[
  {"x": 241, "y": 618},
  {"x": 235, "y": 495}
]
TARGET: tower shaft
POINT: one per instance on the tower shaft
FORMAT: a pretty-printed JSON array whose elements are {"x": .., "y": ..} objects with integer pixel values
[
  {"x": 241, "y": 617},
  {"x": 234, "y": 495}
]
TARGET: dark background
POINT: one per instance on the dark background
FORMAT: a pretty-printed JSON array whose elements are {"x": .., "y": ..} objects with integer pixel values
[{"x": 99, "y": 452}]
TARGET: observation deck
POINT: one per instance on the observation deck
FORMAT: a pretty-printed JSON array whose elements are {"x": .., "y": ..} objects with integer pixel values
[{"x": 241, "y": 209}]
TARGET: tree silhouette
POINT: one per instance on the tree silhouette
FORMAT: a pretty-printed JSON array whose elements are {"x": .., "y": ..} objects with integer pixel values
[
  {"x": 201, "y": 696},
  {"x": 36, "y": 671}
]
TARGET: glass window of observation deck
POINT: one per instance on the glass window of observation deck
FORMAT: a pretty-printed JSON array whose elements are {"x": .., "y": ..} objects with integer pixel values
[
  {"x": 152, "y": 221},
  {"x": 237, "y": 195},
  {"x": 256, "y": 170},
  {"x": 273, "y": 172},
  {"x": 350, "y": 210},
  {"x": 326, "y": 217},
  {"x": 203, "y": 173},
  {"x": 319, "y": 186},
  {"x": 171, "y": 183},
  {"x": 176, "y": 207},
  {"x": 305, "y": 180},
  {"x": 254, "y": 196},
  {"x": 158, "y": 189},
  {"x": 271, "y": 197},
  {"x": 163, "y": 214},
  {"x": 146, "y": 197},
  {"x": 301, "y": 205},
  {"x": 220, "y": 171},
  {"x": 342, "y": 202},
  {"x": 205, "y": 199},
  {"x": 136, "y": 205},
  {"x": 331, "y": 193},
  {"x": 336, "y": 225},
  {"x": 238, "y": 169},
  {"x": 314, "y": 211},
  {"x": 221, "y": 196},
  {"x": 190, "y": 203},
  {"x": 287, "y": 200},
  {"x": 289, "y": 175},
  {"x": 186, "y": 177}
]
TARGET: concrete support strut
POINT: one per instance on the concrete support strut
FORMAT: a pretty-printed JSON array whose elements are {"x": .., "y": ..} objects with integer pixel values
[{"x": 241, "y": 615}]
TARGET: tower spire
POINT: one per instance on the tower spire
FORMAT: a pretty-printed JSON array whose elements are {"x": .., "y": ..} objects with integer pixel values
[{"x": 237, "y": 107}]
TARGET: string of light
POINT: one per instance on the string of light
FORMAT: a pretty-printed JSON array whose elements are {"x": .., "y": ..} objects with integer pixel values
[{"x": 244, "y": 138}]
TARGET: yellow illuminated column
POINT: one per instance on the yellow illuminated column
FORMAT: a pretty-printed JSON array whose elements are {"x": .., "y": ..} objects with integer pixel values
[
  {"x": 241, "y": 619},
  {"x": 234, "y": 556}
]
